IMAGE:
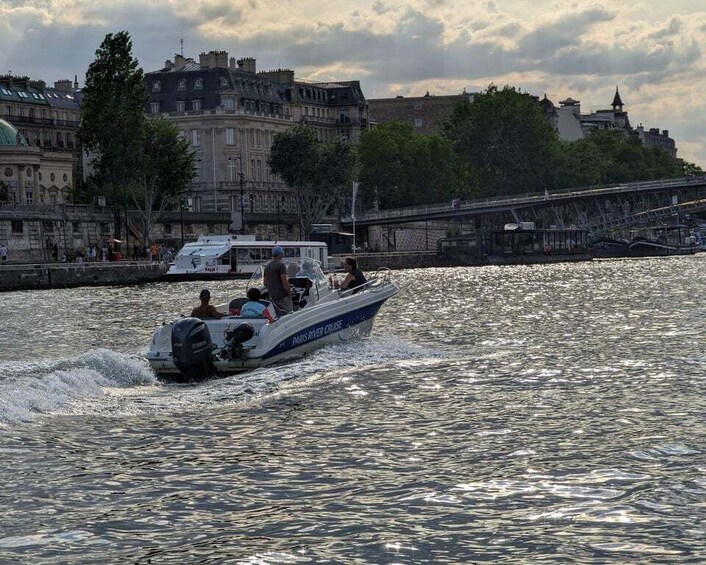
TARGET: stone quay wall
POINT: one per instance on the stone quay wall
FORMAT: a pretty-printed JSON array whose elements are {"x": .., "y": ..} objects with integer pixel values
[{"x": 64, "y": 275}]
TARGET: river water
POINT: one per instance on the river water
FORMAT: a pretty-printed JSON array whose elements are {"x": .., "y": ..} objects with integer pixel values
[{"x": 525, "y": 414}]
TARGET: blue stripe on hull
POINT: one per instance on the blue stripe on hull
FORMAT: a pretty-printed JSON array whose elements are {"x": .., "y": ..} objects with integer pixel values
[{"x": 324, "y": 329}]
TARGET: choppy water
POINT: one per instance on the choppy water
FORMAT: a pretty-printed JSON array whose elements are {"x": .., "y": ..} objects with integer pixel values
[{"x": 546, "y": 414}]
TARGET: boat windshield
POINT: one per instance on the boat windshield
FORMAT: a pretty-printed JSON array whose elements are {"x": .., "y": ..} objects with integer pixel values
[{"x": 297, "y": 267}]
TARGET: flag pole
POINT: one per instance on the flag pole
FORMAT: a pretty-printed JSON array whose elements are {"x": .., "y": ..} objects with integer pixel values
[{"x": 355, "y": 193}]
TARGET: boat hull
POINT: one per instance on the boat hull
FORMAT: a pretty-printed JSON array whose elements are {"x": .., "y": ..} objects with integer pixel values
[{"x": 290, "y": 337}]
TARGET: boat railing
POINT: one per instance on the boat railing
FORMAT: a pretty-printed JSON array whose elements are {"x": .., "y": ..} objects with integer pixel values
[{"x": 379, "y": 280}]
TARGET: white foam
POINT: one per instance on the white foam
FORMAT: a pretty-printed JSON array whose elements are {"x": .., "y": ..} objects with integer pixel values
[{"x": 29, "y": 389}]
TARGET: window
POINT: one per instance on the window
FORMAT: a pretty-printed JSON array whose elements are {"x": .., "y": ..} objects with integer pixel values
[
  {"x": 47, "y": 226},
  {"x": 66, "y": 177},
  {"x": 180, "y": 106},
  {"x": 17, "y": 226},
  {"x": 181, "y": 85},
  {"x": 76, "y": 227},
  {"x": 167, "y": 229},
  {"x": 230, "y": 136},
  {"x": 224, "y": 82},
  {"x": 229, "y": 103},
  {"x": 196, "y": 104},
  {"x": 195, "y": 137},
  {"x": 52, "y": 177},
  {"x": 29, "y": 197},
  {"x": 29, "y": 171},
  {"x": 156, "y": 86},
  {"x": 154, "y": 107},
  {"x": 198, "y": 84},
  {"x": 417, "y": 122}
]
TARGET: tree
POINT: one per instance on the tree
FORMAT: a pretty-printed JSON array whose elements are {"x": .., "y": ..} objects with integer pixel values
[
  {"x": 319, "y": 174},
  {"x": 112, "y": 116},
  {"x": 399, "y": 167},
  {"x": 164, "y": 171},
  {"x": 507, "y": 142}
]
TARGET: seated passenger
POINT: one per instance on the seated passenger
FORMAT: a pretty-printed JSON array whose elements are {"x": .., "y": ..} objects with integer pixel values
[
  {"x": 354, "y": 276},
  {"x": 206, "y": 310},
  {"x": 256, "y": 309}
]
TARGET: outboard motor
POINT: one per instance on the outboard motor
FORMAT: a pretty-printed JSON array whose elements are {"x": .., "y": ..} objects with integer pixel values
[
  {"x": 234, "y": 339},
  {"x": 191, "y": 348}
]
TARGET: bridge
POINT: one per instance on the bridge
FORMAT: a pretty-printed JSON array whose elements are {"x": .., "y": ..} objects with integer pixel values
[{"x": 596, "y": 209}]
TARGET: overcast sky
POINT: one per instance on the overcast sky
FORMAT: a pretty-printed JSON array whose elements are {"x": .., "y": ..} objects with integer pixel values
[{"x": 653, "y": 50}]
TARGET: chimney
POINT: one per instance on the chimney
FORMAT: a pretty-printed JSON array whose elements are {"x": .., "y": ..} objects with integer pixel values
[
  {"x": 247, "y": 64},
  {"x": 203, "y": 60},
  {"x": 231, "y": 64},
  {"x": 280, "y": 76},
  {"x": 63, "y": 85},
  {"x": 179, "y": 62},
  {"x": 75, "y": 82},
  {"x": 665, "y": 132},
  {"x": 221, "y": 59},
  {"x": 38, "y": 84}
]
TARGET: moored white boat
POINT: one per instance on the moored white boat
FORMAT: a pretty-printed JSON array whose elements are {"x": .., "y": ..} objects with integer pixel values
[
  {"x": 226, "y": 256},
  {"x": 191, "y": 349}
]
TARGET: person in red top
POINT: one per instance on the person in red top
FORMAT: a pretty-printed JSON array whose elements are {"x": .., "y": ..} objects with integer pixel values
[{"x": 206, "y": 310}]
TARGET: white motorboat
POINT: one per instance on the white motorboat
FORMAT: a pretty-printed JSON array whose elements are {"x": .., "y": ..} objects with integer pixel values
[{"x": 193, "y": 349}]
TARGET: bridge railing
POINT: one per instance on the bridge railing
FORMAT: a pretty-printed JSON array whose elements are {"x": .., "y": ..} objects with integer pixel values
[{"x": 526, "y": 198}]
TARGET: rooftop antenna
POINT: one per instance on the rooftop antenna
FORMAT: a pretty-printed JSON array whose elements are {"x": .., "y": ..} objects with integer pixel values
[{"x": 181, "y": 40}]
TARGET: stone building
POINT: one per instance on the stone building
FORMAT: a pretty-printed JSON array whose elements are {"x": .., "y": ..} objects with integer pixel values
[
  {"x": 572, "y": 125},
  {"x": 48, "y": 119},
  {"x": 46, "y": 229},
  {"x": 425, "y": 113},
  {"x": 230, "y": 113}
]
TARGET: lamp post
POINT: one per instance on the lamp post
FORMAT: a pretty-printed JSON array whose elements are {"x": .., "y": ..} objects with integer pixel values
[
  {"x": 231, "y": 166},
  {"x": 280, "y": 201},
  {"x": 181, "y": 218}
]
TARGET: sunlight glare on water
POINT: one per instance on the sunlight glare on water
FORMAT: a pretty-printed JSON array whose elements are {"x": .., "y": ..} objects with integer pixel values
[{"x": 527, "y": 414}]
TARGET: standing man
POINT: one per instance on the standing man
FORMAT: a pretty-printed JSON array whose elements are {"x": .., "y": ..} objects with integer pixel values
[
  {"x": 3, "y": 253},
  {"x": 277, "y": 282}
]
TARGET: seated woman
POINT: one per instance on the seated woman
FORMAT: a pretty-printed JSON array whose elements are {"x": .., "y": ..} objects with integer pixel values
[
  {"x": 255, "y": 308},
  {"x": 354, "y": 277}
]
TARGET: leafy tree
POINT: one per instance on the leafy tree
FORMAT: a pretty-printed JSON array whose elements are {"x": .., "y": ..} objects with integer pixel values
[
  {"x": 112, "y": 116},
  {"x": 319, "y": 174},
  {"x": 506, "y": 141},
  {"x": 165, "y": 168},
  {"x": 399, "y": 167}
]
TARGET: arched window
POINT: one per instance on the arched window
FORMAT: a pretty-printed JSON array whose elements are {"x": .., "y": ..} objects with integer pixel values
[
  {"x": 198, "y": 84},
  {"x": 224, "y": 82},
  {"x": 181, "y": 85},
  {"x": 156, "y": 86}
]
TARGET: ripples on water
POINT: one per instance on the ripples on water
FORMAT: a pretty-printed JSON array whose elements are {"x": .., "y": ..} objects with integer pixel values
[{"x": 511, "y": 414}]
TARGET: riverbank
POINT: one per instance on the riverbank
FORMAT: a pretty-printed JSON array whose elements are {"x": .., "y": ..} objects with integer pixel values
[{"x": 36, "y": 276}]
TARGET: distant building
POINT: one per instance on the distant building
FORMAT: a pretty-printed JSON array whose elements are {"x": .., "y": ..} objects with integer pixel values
[
  {"x": 230, "y": 113},
  {"x": 572, "y": 125},
  {"x": 654, "y": 138},
  {"x": 47, "y": 119},
  {"x": 425, "y": 113}
]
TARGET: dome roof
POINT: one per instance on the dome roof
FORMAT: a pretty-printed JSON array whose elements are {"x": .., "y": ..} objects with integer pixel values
[{"x": 9, "y": 135}]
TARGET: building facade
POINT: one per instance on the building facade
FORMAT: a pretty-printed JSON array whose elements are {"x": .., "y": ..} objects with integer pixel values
[
  {"x": 48, "y": 119},
  {"x": 425, "y": 113},
  {"x": 230, "y": 114}
]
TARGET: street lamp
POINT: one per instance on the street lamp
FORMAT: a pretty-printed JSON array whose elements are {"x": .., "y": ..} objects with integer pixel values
[
  {"x": 231, "y": 166},
  {"x": 279, "y": 200}
]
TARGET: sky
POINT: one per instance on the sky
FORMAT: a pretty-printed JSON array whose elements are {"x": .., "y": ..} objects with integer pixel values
[{"x": 653, "y": 50}]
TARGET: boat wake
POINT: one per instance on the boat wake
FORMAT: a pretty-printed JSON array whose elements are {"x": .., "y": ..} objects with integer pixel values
[
  {"x": 31, "y": 389},
  {"x": 104, "y": 383}
]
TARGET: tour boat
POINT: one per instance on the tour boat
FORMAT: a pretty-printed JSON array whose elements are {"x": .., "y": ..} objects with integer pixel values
[
  {"x": 226, "y": 256},
  {"x": 192, "y": 349}
]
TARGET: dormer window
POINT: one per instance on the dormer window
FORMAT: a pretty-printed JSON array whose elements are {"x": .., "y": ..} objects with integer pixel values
[
  {"x": 181, "y": 85},
  {"x": 198, "y": 84},
  {"x": 224, "y": 82},
  {"x": 156, "y": 86},
  {"x": 229, "y": 103}
]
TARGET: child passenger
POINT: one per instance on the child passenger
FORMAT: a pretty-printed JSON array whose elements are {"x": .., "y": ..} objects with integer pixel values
[{"x": 256, "y": 309}]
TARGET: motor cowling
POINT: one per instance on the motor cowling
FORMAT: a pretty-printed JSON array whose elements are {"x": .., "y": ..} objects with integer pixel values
[
  {"x": 234, "y": 339},
  {"x": 191, "y": 349}
]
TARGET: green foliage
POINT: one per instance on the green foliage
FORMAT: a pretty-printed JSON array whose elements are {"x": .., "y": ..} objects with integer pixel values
[
  {"x": 166, "y": 167},
  {"x": 399, "y": 167},
  {"x": 506, "y": 141},
  {"x": 112, "y": 114},
  {"x": 319, "y": 174}
]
